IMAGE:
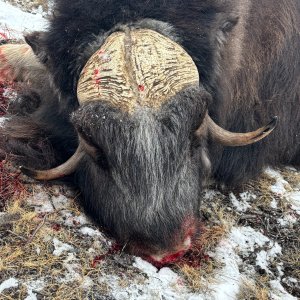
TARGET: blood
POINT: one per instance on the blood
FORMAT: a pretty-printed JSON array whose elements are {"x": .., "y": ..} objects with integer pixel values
[
  {"x": 114, "y": 249},
  {"x": 56, "y": 227},
  {"x": 10, "y": 184},
  {"x": 3, "y": 36},
  {"x": 141, "y": 88}
]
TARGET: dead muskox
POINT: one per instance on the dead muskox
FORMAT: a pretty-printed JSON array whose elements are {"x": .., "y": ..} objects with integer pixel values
[{"x": 122, "y": 96}]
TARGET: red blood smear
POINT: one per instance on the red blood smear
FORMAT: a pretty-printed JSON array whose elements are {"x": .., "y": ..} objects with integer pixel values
[
  {"x": 41, "y": 215},
  {"x": 194, "y": 258},
  {"x": 10, "y": 184},
  {"x": 96, "y": 260},
  {"x": 3, "y": 36},
  {"x": 115, "y": 248},
  {"x": 141, "y": 88},
  {"x": 167, "y": 260},
  {"x": 56, "y": 227},
  {"x": 96, "y": 71}
]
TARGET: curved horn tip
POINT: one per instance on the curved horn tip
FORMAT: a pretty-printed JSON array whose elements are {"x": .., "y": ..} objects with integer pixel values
[
  {"x": 272, "y": 125},
  {"x": 28, "y": 172}
]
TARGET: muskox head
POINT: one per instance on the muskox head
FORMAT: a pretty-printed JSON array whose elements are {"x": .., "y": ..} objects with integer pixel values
[{"x": 143, "y": 128}]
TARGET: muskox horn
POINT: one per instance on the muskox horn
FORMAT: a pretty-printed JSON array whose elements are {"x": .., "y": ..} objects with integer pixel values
[
  {"x": 66, "y": 168},
  {"x": 228, "y": 138},
  {"x": 138, "y": 67}
]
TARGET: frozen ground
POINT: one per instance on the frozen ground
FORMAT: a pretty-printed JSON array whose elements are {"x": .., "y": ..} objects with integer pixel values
[{"x": 49, "y": 249}]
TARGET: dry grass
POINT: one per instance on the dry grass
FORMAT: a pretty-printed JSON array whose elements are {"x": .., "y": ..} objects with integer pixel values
[
  {"x": 30, "y": 6},
  {"x": 26, "y": 253},
  {"x": 292, "y": 177},
  {"x": 261, "y": 186},
  {"x": 291, "y": 261},
  {"x": 255, "y": 289}
]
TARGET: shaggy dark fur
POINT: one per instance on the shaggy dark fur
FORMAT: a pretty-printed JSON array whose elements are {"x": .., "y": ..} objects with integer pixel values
[{"x": 146, "y": 181}]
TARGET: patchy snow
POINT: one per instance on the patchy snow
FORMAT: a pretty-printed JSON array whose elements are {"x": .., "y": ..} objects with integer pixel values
[
  {"x": 90, "y": 231},
  {"x": 73, "y": 272},
  {"x": 294, "y": 199},
  {"x": 162, "y": 284},
  {"x": 282, "y": 188},
  {"x": 61, "y": 247},
  {"x": 15, "y": 21},
  {"x": 40, "y": 200},
  {"x": 9, "y": 283},
  {"x": 287, "y": 220},
  {"x": 273, "y": 203},
  {"x": 59, "y": 202},
  {"x": 229, "y": 279},
  {"x": 87, "y": 283},
  {"x": 247, "y": 240},
  {"x": 33, "y": 287},
  {"x": 241, "y": 204},
  {"x": 279, "y": 188},
  {"x": 278, "y": 292},
  {"x": 71, "y": 220},
  {"x": 144, "y": 266}
]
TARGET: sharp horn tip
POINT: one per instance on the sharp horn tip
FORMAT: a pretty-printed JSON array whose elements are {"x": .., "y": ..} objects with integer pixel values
[
  {"x": 28, "y": 172},
  {"x": 272, "y": 125}
]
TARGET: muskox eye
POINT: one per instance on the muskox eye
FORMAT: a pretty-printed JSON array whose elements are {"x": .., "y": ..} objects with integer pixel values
[{"x": 229, "y": 24}]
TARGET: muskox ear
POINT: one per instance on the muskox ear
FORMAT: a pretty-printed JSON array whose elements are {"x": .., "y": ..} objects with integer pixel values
[{"x": 35, "y": 41}]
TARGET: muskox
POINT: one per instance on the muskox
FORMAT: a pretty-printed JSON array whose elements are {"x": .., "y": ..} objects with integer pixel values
[{"x": 125, "y": 96}]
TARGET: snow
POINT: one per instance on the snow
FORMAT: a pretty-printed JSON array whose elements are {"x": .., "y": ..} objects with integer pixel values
[
  {"x": 16, "y": 21},
  {"x": 59, "y": 202},
  {"x": 246, "y": 240},
  {"x": 34, "y": 286},
  {"x": 279, "y": 188},
  {"x": 282, "y": 188},
  {"x": 229, "y": 279},
  {"x": 9, "y": 283},
  {"x": 241, "y": 205},
  {"x": 71, "y": 220},
  {"x": 90, "y": 231},
  {"x": 294, "y": 199},
  {"x": 278, "y": 291},
  {"x": 40, "y": 201},
  {"x": 144, "y": 266},
  {"x": 287, "y": 220},
  {"x": 162, "y": 284},
  {"x": 61, "y": 247}
]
